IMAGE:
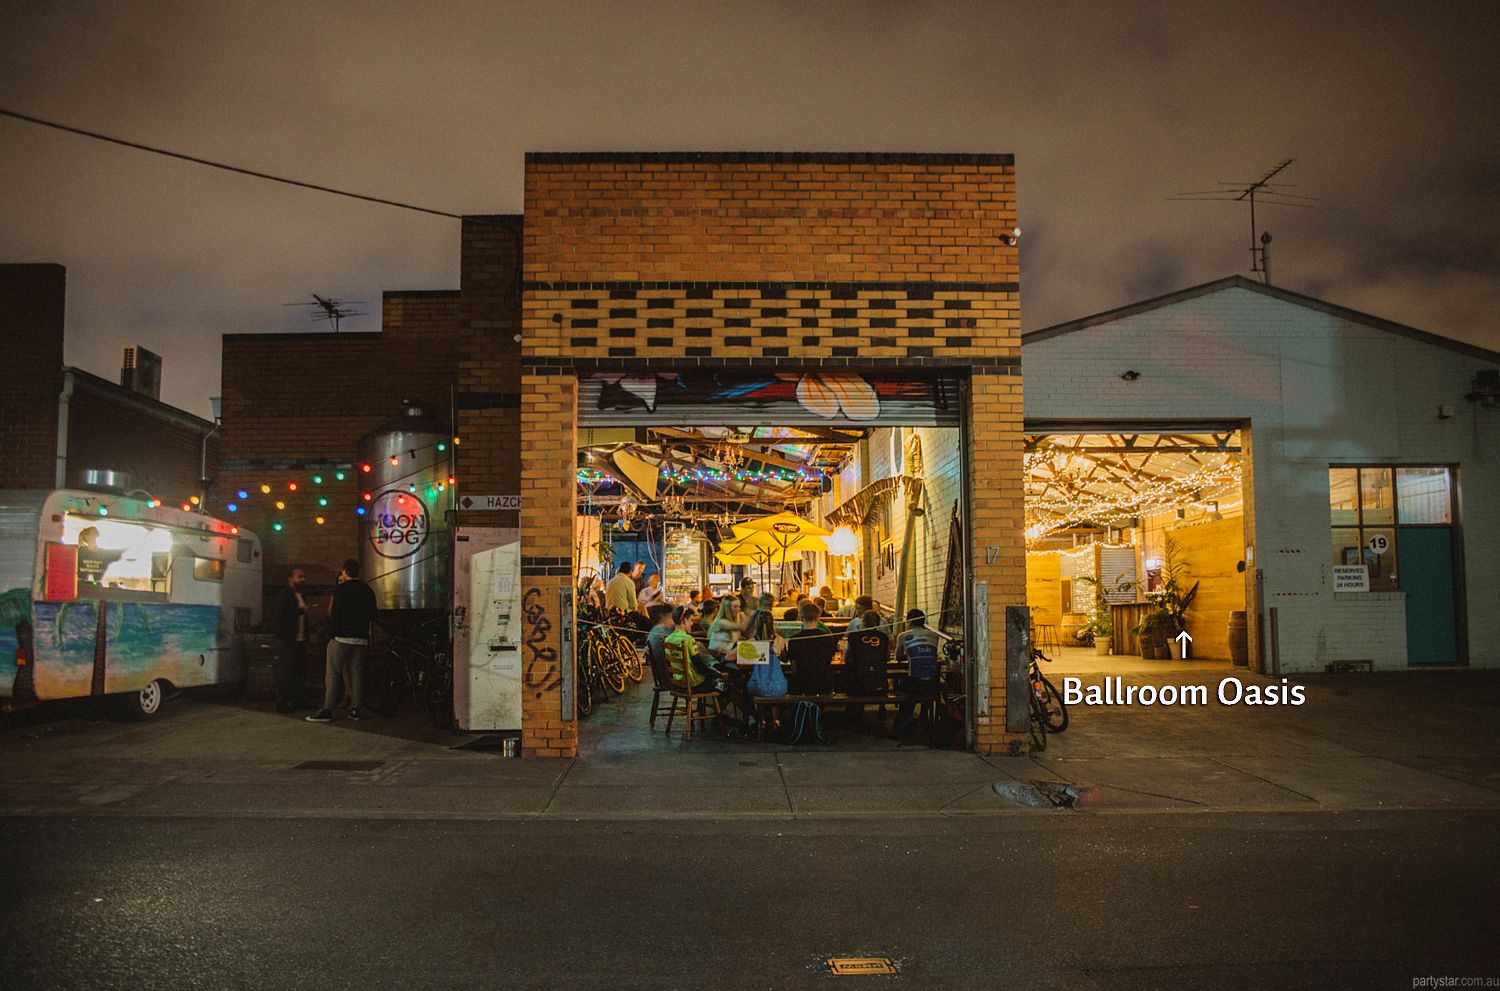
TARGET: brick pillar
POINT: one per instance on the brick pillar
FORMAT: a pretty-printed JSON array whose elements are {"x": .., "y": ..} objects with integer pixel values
[
  {"x": 549, "y": 459},
  {"x": 31, "y": 325},
  {"x": 996, "y": 519}
]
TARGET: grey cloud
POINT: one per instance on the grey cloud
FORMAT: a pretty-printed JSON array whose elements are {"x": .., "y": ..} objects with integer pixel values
[{"x": 1109, "y": 108}]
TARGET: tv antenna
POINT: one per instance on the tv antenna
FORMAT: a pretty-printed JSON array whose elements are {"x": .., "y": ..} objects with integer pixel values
[
  {"x": 332, "y": 310},
  {"x": 1265, "y": 191}
]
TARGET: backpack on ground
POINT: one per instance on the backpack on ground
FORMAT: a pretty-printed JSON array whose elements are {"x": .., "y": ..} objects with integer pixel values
[{"x": 806, "y": 725}]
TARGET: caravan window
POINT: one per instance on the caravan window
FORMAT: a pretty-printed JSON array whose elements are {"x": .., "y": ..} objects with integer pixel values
[
  {"x": 121, "y": 556},
  {"x": 208, "y": 569}
]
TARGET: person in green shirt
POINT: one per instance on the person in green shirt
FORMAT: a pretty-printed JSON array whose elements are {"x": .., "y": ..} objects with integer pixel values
[{"x": 701, "y": 672}]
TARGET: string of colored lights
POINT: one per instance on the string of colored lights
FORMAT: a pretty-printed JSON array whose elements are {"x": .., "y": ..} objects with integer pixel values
[{"x": 245, "y": 497}]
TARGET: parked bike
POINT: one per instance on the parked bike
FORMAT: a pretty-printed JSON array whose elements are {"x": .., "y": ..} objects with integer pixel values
[
  {"x": 1048, "y": 713},
  {"x": 415, "y": 664}
]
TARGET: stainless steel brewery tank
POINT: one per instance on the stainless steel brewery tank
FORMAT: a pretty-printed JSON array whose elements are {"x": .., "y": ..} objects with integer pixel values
[{"x": 405, "y": 549}]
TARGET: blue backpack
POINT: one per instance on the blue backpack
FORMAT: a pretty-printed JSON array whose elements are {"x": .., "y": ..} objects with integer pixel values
[
  {"x": 767, "y": 680},
  {"x": 806, "y": 725}
]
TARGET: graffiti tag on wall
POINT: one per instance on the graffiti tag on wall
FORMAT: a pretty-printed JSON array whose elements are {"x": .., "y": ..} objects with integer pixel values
[{"x": 542, "y": 673}]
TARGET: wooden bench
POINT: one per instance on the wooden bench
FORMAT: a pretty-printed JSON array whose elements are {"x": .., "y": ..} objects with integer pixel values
[{"x": 926, "y": 703}]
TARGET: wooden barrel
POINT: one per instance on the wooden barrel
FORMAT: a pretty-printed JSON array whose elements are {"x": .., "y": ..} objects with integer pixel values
[{"x": 1239, "y": 643}]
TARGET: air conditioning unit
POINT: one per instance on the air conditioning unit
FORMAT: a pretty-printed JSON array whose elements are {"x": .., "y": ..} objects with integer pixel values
[{"x": 140, "y": 371}]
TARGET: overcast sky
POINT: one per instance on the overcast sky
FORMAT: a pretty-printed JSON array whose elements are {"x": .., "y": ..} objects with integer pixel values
[{"x": 1110, "y": 108}]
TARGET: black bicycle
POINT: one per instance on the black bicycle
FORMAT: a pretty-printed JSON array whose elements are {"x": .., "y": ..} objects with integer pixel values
[
  {"x": 409, "y": 666},
  {"x": 1048, "y": 713}
]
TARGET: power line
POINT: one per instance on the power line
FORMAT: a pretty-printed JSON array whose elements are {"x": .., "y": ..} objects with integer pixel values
[{"x": 225, "y": 166}]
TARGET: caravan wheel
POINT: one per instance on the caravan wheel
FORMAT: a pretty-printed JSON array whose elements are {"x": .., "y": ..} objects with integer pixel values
[{"x": 147, "y": 702}]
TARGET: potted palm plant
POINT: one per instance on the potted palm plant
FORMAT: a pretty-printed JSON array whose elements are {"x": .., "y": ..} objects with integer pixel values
[
  {"x": 1101, "y": 626},
  {"x": 1173, "y": 601}
]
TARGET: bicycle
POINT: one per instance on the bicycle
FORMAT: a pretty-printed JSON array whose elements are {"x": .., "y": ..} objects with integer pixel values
[
  {"x": 1048, "y": 713},
  {"x": 606, "y": 659},
  {"x": 407, "y": 668}
]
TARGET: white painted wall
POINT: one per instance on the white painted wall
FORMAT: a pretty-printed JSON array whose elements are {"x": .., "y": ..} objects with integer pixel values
[{"x": 1318, "y": 390}]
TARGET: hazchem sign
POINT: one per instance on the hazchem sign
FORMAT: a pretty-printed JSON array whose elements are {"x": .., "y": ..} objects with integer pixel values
[
  {"x": 489, "y": 502},
  {"x": 398, "y": 524}
]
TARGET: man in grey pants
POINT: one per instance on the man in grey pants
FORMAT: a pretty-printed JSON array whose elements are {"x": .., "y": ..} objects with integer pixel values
[{"x": 350, "y": 616}]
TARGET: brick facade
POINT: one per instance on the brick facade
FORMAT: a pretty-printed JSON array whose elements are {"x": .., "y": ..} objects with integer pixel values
[
  {"x": 32, "y": 301},
  {"x": 295, "y": 404},
  {"x": 794, "y": 261},
  {"x": 159, "y": 446}
]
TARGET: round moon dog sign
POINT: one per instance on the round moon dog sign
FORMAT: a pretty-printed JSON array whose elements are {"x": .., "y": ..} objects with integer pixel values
[{"x": 398, "y": 524}]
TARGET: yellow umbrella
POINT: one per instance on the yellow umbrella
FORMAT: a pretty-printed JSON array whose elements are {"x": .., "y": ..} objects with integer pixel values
[
  {"x": 785, "y": 526},
  {"x": 787, "y": 533}
]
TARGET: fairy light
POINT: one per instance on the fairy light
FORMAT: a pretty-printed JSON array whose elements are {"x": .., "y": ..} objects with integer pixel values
[
  {"x": 280, "y": 504},
  {"x": 1061, "y": 501},
  {"x": 265, "y": 490}
]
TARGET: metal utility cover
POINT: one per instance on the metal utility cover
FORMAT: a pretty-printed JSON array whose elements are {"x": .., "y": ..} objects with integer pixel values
[{"x": 849, "y": 966}]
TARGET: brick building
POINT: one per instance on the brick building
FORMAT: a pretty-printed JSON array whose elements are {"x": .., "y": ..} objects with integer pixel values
[
  {"x": 57, "y": 422},
  {"x": 794, "y": 263},
  {"x": 295, "y": 406},
  {"x": 645, "y": 263}
]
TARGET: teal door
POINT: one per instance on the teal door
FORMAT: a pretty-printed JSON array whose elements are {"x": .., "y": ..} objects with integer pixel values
[{"x": 1431, "y": 606}]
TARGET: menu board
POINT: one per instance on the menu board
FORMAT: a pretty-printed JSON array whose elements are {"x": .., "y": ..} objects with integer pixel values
[
  {"x": 684, "y": 571},
  {"x": 61, "y": 582}
]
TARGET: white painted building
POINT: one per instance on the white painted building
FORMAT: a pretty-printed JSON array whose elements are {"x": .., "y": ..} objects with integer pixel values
[{"x": 1314, "y": 387}]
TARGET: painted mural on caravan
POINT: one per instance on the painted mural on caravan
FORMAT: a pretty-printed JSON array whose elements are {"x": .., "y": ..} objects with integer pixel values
[{"x": 106, "y": 594}]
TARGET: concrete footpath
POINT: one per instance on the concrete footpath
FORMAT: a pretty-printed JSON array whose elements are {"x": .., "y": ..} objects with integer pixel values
[{"x": 1427, "y": 740}]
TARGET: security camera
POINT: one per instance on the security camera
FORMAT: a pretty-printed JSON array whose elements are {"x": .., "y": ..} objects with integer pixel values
[{"x": 1010, "y": 240}]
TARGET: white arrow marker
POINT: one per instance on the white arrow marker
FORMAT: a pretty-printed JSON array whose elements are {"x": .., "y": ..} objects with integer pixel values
[{"x": 1185, "y": 640}]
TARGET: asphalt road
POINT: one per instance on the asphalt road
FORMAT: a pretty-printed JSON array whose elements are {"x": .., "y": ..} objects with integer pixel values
[{"x": 1327, "y": 900}]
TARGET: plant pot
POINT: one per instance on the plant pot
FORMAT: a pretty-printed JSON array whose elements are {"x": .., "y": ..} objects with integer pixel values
[
  {"x": 1101, "y": 645},
  {"x": 1174, "y": 650}
]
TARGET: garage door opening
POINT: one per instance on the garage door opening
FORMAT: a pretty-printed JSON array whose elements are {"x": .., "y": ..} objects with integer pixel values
[
  {"x": 821, "y": 493},
  {"x": 1132, "y": 539}
]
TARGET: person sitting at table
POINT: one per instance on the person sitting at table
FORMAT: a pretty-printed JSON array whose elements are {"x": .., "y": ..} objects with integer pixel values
[
  {"x": 702, "y": 672},
  {"x": 917, "y": 647},
  {"x": 866, "y": 658},
  {"x": 728, "y": 626},
  {"x": 862, "y": 605},
  {"x": 651, "y": 594},
  {"x": 762, "y": 625},
  {"x": 811, "y": 651},
  {"x": 662, "y": 625},
  {"x": 748, "y": 598},
  {"x": 791, "y": 615},
  {"x": 688, "y": 618}
]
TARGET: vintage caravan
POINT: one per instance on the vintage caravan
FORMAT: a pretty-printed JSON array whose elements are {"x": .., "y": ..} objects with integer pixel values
[{"x": 104, "y": 593}]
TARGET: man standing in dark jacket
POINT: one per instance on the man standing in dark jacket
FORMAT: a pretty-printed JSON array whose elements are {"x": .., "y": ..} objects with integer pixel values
[
  {"x": 291, "y": 636},
  {"x": 350, "y": 616}
]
